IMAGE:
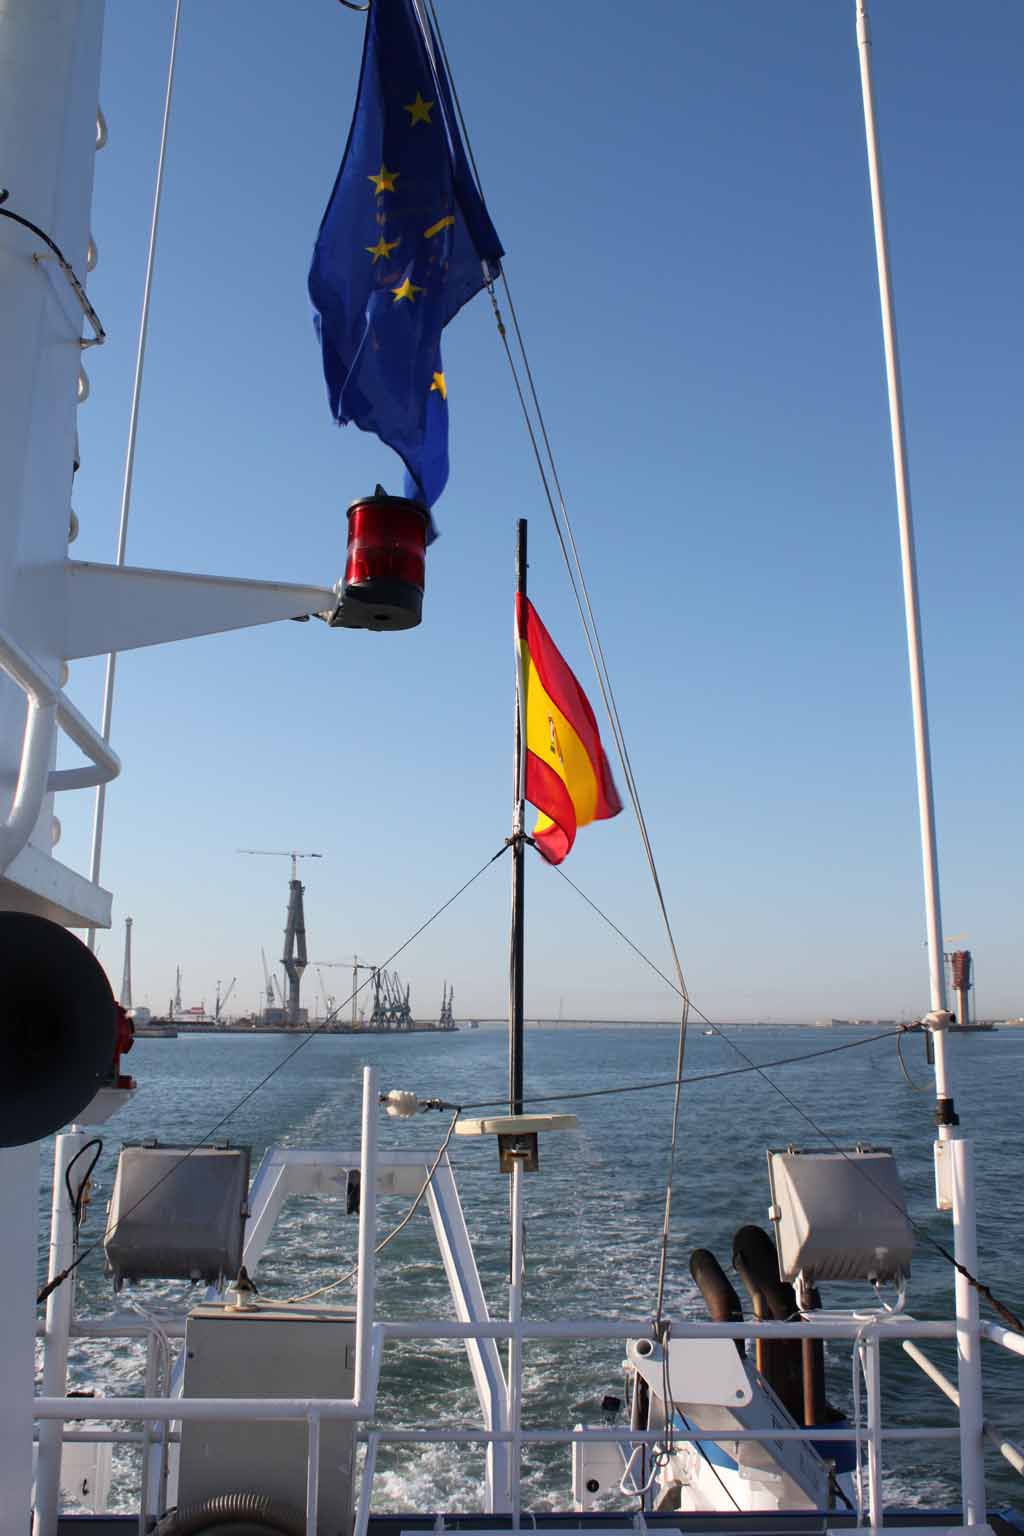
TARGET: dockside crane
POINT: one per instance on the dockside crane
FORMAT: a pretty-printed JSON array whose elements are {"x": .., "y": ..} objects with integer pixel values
[
  {"x": 294, "y": 958},
  {"x": 268, "y": 980},
  {"x": 222, "y": 1002},
  {"x": 391, "y": 1006}
]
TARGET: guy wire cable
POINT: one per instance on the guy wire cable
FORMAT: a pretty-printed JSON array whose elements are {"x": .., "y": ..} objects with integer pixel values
[
  {"x": 1009, "y": 1317},
  {"x": 59, "y": 1279},
  {"x": 110, "y": 675},
  {"x": 594, "y": 645},
  {"x": 592, "y": 637}
]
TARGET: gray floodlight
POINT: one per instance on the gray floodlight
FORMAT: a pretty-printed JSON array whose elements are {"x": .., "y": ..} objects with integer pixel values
[
  {"x": 839, "y": 1215},
  {"x": 177, "y": 1213}
]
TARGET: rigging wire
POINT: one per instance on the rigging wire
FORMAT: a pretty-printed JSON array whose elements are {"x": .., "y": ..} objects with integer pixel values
[
  {"x": 1008, "y": 1316},
  {"x": 607, "y": 694},
  {"x": 410, "y": 1213},
  {"x": 59, "y": 1279},
  {"x": 604, "y": 681},
  {"x": 110, "y": 673},
  {"x": 694, "y": 1077},
  {"x": 577, "y": 581}
]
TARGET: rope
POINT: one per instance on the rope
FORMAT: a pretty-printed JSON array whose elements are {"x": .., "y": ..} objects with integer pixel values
[{"x": 59, "y": 1279}]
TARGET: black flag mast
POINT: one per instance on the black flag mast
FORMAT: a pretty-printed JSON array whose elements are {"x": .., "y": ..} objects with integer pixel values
[{"x": 515, "y": 993}]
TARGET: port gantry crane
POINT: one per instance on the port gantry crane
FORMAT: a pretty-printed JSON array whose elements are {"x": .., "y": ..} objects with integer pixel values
[
  {"x": 294, "y": 958},
  {"x": 391, "y": 1006}
]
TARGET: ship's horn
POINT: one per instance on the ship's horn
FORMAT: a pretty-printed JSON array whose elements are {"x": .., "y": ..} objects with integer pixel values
[{"x": 58, "y": 1027}]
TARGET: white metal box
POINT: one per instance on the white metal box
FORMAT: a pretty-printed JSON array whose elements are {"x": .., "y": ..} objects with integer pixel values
[{"x": 269, "y": 1352}]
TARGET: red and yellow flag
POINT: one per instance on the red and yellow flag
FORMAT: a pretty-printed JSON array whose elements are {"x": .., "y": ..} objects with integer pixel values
[{"x": 567, "y": 774}]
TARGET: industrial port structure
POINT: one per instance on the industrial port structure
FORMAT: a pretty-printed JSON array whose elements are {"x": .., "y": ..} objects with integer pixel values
[{"x": 281, "y": 1002}]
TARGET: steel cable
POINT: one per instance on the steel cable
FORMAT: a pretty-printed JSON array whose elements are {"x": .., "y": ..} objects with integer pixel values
[{"x": 59, "y": 1279}]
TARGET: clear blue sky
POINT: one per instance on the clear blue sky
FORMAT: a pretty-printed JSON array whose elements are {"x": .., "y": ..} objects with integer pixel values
[{"x": 682, "y": 191}]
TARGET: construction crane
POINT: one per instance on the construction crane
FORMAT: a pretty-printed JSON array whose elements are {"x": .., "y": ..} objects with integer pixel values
[
  {"x": 222, "y": 1002},
  {"x": 357, "y": 966},
  {"x": 268, "y": 980},
  {"x": 294, "y": 957},
  {"x": 327, "y": 997}
]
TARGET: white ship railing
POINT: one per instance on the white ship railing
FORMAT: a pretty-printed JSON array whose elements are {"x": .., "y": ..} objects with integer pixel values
[
  {"x": 47, "y": 709},
  {"x": 373, "y": 1334},
  {"x": 871, "y": 1435}
]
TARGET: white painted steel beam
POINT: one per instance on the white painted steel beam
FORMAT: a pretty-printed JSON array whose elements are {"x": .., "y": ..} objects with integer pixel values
[
  {"x": 59, "y": 1308},
  {"x": 36, "y": 882},
  {"x": 19, "y": 1222},
  {"x": 123, "y": 607},
  {"x": 968, "y": 1341},
  {"x": 474, "y": 1319}
]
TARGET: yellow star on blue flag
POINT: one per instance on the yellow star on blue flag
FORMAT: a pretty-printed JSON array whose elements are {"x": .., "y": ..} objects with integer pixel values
[{"x": 405, "y": 241}]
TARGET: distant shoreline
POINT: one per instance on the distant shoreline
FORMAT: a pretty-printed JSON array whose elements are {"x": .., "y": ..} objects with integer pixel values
[{"x": 463, "y": 1026}]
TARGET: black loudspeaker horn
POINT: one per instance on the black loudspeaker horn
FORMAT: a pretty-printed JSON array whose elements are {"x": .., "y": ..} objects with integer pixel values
[{"x": 58, "y": 1027}]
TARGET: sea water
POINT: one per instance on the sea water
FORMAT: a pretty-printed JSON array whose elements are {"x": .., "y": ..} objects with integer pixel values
[{"x": 593, "y": 1212}]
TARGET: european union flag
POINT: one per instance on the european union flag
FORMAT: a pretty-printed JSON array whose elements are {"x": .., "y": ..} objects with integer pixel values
[{"x": 406, "y": 240}]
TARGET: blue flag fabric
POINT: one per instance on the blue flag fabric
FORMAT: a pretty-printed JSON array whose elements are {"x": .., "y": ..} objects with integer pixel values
[{"x": 405, "y": 241}]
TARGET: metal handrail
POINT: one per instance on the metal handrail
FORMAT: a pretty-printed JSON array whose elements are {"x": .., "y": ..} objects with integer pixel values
[
  {"x": 1007, "y": 1448},
  {"x": 47, "y": 709},
  {"x": 317, "y": 1410},
  {"x": 1004, "y": 1337}
]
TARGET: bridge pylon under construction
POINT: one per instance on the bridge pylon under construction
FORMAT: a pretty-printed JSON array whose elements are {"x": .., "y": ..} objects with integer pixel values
[{"x": 295, "y": 958}]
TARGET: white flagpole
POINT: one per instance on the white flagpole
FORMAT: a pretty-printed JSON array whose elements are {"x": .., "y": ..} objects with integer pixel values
[
  {"x": 954, "y": 1185},
  {"x": 908, "y": 559}
]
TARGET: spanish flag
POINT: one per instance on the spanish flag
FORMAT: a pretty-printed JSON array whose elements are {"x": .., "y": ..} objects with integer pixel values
[{"x": 567, "y": 774}]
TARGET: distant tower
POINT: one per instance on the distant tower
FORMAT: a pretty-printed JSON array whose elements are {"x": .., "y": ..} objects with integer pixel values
[
  {"x": 294, "y": 957},
  {"x": 177, "y": 990},
  {"x": 126, "y": 978},
  {"x": 961, "y": 966}
]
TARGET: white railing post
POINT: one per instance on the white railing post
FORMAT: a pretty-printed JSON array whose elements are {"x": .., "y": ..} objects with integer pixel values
[
  {"x": 515, "y": 1343},
  {"x": 313, "y": 1472},
  {"x": 968, "y": 1341},
  {"x": 366, "y": 1275},
  {"x": 59, "y": 1306},
  {"x": 366, "y": 1486},
  {"x": 873, "y": 1380}
]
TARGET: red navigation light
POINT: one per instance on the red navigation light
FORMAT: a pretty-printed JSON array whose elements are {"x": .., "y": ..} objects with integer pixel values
[
  {"x": 386, "y": 566},
  {"x": 124, "y": 1042}
]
